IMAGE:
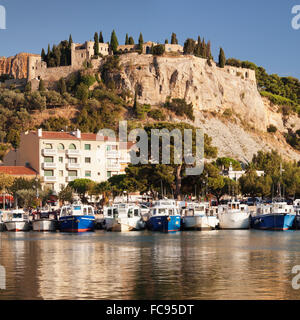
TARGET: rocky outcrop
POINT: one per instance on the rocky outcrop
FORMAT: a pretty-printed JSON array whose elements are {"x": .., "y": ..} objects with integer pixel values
[
  {"x": 207, "y": 87},
  {"x": 15, "y": 66},
  {"x": 211, "y": 90}
]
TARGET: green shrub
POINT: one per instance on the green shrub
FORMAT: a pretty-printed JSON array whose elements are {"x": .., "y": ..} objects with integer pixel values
[
  {"x": 227, "y": 113},
  {"x": 157, "y": 114},
  {"x": 272, "y": 129},
  {"x": 181, "y": 108}
]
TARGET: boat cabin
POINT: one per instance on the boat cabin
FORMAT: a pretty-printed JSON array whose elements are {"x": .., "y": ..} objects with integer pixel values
[{"x": 77, "y": 210}]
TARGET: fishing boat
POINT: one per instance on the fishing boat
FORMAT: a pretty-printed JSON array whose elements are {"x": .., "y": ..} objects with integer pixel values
[
  {"x": 234, "y": 215},
  {"x": 164, "y": 216},
  {"x": 2, "y": 224},
  {"x": 275, "y": 216},
  {"x": 17, "y": 220},
  {"x": 195, "y": 216},
  {"x": 297, "y": 212},
  {"x": 77, "y": 218},
  {"x": 44, "y": 221},
  {"x": 123, "y": 217}
]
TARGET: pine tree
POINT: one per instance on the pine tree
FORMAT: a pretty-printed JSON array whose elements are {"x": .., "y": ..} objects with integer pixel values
[
  {"x": 96, "y": 44},
  {"x": 174, "y": 38},
  {"x": 222, "y": 59},
  {"x": 141, "y": 42},
  {"x": 101, "y": 37},
  {"x": 114, "y": 42},
  {"x": 126, "y": 39},
  {"x": 131, "y": 41}
]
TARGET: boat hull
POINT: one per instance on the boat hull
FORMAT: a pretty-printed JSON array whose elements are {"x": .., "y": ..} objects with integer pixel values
[
  {"x": 199, "y": 223},
  {"x": 76, "y": 224},
  {"x": 124, "y": 224},
  {"x": 2, "y": 227},
  {"x": 239, "y": 220},
  {"x": 44, "y": 225},
  {"x": 17, "y": 226},
  {"x": 275, "y": 222},
  {"x": 165, "y": 223}
]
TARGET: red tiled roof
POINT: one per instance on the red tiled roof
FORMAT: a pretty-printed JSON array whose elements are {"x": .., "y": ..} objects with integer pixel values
[{"x": 17, "y": 171}]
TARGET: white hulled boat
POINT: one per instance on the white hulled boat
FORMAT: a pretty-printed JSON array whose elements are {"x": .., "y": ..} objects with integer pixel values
[
  {"x": 195, "y": 216},
  {"x": 234, "y": 215},
  {"x": 2, "y": 224},
  {"x": 17, "y": 220},
  {"x": 44, "y": 221},
  {"x": 123, "y": 217}
]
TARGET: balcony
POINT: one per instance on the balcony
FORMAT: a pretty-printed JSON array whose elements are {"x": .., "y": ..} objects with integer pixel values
[
  {"x": 70, "y": 179},
  {"x": 112, "y": 154},
  {"x": 50, "y": 179},
  {"x": 49, "y": 165},
  {"x": 49, "y": 152},
  {"x": 73, "y": 153},
  {"x": 71, "y": 166}
]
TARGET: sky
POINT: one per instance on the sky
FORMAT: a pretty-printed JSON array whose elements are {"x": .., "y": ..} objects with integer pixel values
[{"x": 258, "y": 30}]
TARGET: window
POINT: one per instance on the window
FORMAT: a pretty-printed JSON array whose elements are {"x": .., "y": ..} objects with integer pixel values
[
  {"x": 108, "y": 174},
  {"x": 88, "y": 173},
  {"x": 48, "y": 159},
  {"x": 72, "y": 173},
  {"x": 87, "y": 147},
  {"x": 87, "y": 160},
  {"x": 61, "y": 147},
  {"x": 48, "y": 146},
  {"x": 61, "y": 173},
  {"x": 48, "y": 173},
  {"x": 73, "y": 160},
  {"x": 72, "y": 146},
  {"x": 61, "y": 159}
]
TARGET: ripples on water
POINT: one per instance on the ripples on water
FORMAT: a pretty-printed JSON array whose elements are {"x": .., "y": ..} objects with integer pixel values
[{"x": 144, "y": 265}]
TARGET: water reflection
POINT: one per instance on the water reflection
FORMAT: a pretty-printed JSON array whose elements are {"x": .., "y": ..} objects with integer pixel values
[{"x": 187, "y": 265}]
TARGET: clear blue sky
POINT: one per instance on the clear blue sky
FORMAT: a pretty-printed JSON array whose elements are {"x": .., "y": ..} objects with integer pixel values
[{"x": 256, "y": 30}]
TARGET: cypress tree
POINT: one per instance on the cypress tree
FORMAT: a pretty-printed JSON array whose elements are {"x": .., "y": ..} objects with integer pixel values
[
  {"x": 62, "y": 86},
  {"x": 70, "y": 41},
  {"x": 222, "y": 59},
  {"x": 101, "y": 37},
  {"x": 131, "y": 41},
  {"x": 41, "y": 86},
  {"x": 114, "y": 42},
  {"x": 126, "y": 39},
  {"x": 208, "y": 50},
  {"x": 141, "y": 42},
  {"x": 166, "y": 41},
  {"x": 43, "y": 54},
  {"x": 96, "y": 44},
  {"x": 174, "y": 38}
]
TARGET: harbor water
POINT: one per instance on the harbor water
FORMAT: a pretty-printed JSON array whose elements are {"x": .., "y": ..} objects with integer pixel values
[{"x": 233, "y": 264}]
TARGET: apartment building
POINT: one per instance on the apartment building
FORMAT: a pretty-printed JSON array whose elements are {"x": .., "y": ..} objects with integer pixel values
[{"x": 61, "y": 157}]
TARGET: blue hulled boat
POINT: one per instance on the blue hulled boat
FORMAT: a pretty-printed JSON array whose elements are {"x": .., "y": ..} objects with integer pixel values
[
  {"x": 278, "y": 216},
  {"x": 164, "y": 216},
  {"x": 77, "y": 218}
]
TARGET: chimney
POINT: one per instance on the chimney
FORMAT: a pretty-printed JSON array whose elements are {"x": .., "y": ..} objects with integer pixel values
[
  {"x": 40, "y": 133},
  {"x": 78, "y": 134}
]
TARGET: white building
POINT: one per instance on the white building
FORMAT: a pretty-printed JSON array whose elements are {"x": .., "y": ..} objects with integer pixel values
[
  {"x": 61, "y": 157},
  {"x": 235, "y": 175}
]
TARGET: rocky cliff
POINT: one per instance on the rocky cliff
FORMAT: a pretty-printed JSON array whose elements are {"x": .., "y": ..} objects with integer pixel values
[
  {"x": 15, "y": 66},
  {"x": 211, "y": 90}
]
